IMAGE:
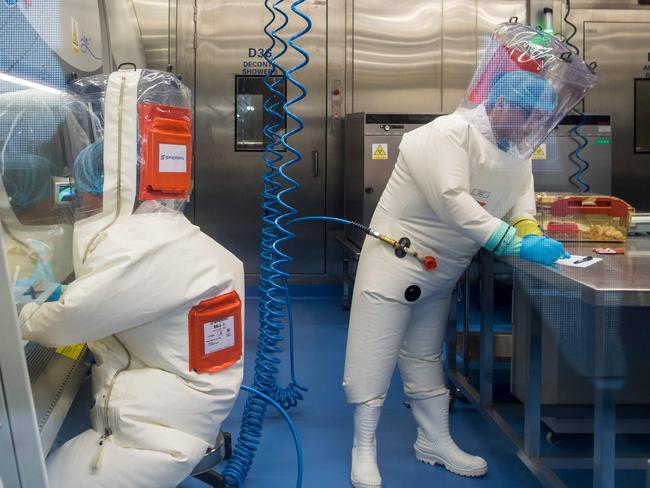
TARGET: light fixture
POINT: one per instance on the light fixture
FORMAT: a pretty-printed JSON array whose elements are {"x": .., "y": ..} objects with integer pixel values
[{"x": 28, "y": 84}]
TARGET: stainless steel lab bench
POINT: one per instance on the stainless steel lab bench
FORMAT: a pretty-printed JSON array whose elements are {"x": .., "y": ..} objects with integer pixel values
[{"x": 620, "y": 281}]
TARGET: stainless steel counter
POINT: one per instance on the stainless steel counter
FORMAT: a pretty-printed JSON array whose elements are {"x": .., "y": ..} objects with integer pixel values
[{"x": 617, "y": 281}]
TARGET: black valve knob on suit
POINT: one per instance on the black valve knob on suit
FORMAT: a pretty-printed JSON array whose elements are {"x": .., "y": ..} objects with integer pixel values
[{"x": 404, "y": 242}]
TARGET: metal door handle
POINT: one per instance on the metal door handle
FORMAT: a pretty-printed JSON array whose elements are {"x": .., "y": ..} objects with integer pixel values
[{"x": 316, "y": 164}]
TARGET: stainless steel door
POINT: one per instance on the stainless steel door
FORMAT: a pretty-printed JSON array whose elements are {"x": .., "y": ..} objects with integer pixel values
[
  {"x": 231, "y": 42},
  {"x": 621, "y": 50}
]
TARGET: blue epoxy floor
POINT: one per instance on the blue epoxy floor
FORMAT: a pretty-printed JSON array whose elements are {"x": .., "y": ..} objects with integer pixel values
[{"x": 324, "y": 420}]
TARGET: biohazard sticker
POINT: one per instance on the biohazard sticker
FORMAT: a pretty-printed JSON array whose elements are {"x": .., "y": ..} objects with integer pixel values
[
  {"x": 540, "y": 153},
  {"x": 380, "y": 151}
]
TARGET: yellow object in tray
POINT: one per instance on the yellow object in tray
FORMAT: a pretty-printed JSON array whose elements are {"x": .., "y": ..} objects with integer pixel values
[{"x": 591, "y": 218}]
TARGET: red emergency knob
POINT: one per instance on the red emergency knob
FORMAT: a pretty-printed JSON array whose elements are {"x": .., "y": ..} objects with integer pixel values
[{"x": 430, "y": 263}]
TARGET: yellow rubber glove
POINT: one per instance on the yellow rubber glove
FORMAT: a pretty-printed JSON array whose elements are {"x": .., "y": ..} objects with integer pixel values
[{"x": 526, "y": 226}]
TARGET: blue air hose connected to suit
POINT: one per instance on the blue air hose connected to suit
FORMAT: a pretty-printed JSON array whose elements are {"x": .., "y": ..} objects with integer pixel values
[
  {"x": 274, "y": 305},
  {"x": 402, "y": 246},
  {"x": 576, "y": 156}
]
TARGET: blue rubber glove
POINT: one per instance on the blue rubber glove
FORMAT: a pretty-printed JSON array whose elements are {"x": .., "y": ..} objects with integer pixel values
[
  {"x": 56, "y": 294},
  {"x": 542, "y": 250}
]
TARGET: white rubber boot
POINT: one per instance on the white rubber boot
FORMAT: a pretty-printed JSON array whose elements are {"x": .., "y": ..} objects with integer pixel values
[
  {"x": 365, "y": 473},
  {"x": 434, "y": 445}
]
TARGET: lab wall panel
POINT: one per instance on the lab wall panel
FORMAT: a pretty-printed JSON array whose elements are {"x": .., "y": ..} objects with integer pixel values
[
  {"x": 397, "y": 56},
  {"x": 458, "y": 50},
  {"x": 605, "y": 41},
  {"x": 122, "y": 34},
  {"x": 607, "y": 4},
  {"x": 619, "y": 41},
  {"x": 157, "y": 22},
  {"x": 491, "y": 13}
]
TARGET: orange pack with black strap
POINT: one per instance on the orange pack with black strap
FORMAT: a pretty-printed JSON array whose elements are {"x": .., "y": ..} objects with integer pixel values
[{"x": 215, "y": 334}]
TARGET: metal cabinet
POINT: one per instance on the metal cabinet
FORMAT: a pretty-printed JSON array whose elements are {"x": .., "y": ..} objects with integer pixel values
[
  {"x": 618, "y": 39},
  {"x": 552, "y": 165},
  {"x": 371, "y": 150}
]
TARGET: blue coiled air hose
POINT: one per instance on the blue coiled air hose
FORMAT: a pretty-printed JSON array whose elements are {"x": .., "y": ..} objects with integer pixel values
[
  {"x": 274, "y": 305},
  {"x": 576, "y": 156},
  {"x": 582, "y": 142},
  {"x": 278, "y": 290},
  {"x": 294, "y": 432}
]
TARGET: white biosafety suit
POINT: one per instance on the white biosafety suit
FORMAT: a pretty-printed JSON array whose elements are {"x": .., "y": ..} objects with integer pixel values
[
  {"x": 138, "y": 276},
  {"x": 460, "y": 182},
  {"x": 429, "y": 198},
  {"x": 449, "y": 189}
]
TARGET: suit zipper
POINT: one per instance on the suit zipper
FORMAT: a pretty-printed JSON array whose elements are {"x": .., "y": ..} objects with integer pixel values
[{"x": 108, "y": 431}]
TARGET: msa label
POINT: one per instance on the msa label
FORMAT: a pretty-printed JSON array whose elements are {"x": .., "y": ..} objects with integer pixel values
[
  {"x": 219, "y": 335},
  {"x": 483, "y": 194},
  {"x": 173, "y": 158}
]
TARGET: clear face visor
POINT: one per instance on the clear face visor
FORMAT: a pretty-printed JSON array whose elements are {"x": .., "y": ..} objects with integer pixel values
[
  {"x": 527, "y": 82},
  {"x": 87, "y": 181},
  {"x": 33, "y": 170},
  {"x": 29, "y": 183},
  {"x": 84, "y": 112},
  {"x": 32, "y": 156},
  {"x": 164, "y": 145}
]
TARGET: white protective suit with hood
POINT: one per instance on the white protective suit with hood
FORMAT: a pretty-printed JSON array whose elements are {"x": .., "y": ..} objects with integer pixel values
[
  {"x": 460, "y": 182},
  {"x": 448, "y": 206},
  {"x": 138, "y": 275}
]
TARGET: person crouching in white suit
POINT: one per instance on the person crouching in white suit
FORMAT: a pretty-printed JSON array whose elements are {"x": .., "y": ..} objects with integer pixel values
[
  {"x": 462, "y": 182},
  {"x": 159, "y": 303}
]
